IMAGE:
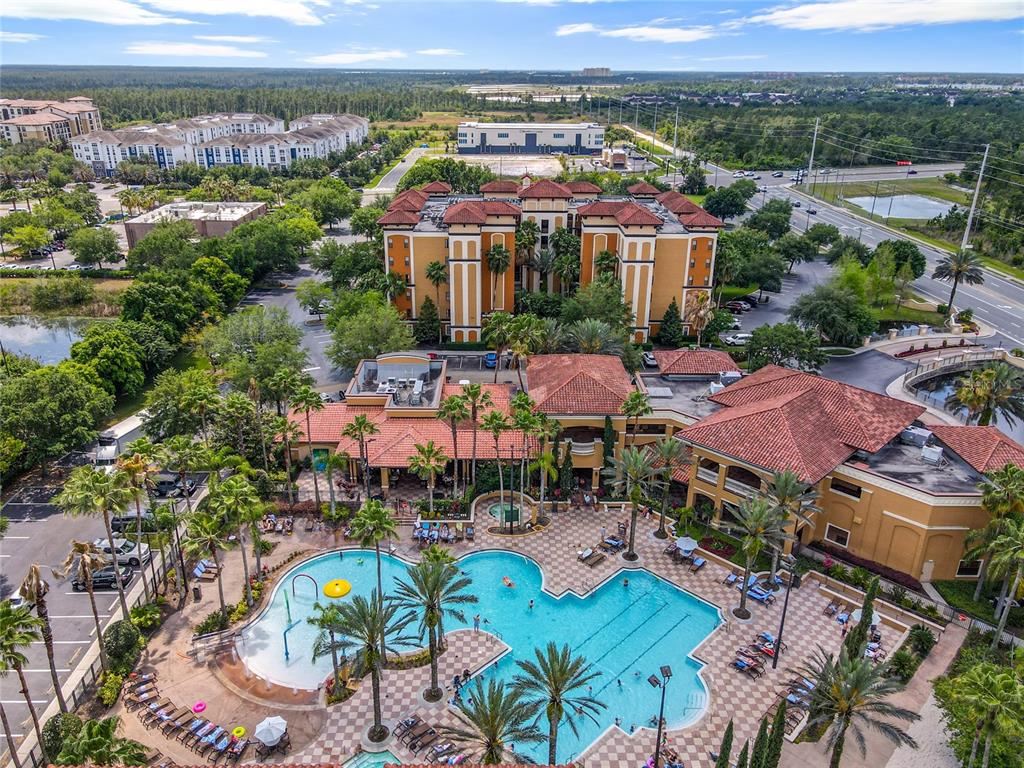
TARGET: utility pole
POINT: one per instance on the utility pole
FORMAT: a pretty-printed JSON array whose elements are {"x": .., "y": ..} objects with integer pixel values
[
  {"x": 636, "y": 118},
  {"x": 974, "y": 201},
  {"x": 655, "y": 121},
  {"x": 620, "y": 111},
  {"x": 675, "y": 140},
  {"x": 814, "y": 143}
]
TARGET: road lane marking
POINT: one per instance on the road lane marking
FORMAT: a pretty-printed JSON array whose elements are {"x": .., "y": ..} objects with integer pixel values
[
  {"x": 45, "y": 669},
  {"x": 79, "y": 616},
  {"x": 8, "y": 538},
  {"x": 65, "y": 642},
  {"x": 22, "y": 701},
  {"x": 314, "y": 368}
]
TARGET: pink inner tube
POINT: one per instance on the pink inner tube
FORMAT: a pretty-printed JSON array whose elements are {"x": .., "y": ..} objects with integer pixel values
[{"x": 199, "y": 706}]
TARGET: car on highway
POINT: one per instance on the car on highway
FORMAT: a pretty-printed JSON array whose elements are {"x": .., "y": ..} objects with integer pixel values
[
  {"x": 911, "y": 172},
  {"x": 105, "y": 578},
  {"x": 777, "y": 174},
  {"x": 738, "y": 339},
  {"x": 491, "y": 360},
  {"x": 649, "y": 360},
  {"x": 738, "y": 175},
  {"x": 127, "y": 551},
  {"x": 749, "y": 174},
  {"x": 812, "y": 211},
  {"x": 796, "y": 203}
]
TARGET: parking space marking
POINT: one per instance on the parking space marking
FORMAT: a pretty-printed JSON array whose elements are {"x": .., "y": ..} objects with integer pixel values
[
  {"x": 65, "y": 642},
  {"x": 8, "y": 538},
  {"x": 46, "y": 669},
  {"x": 79, "y": 616},
  {"x": 22, "y": 701},
  {"x": 314, "y": 368}
]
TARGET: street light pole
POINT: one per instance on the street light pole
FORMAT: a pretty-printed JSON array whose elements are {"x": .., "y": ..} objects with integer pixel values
[
  {"x": 785, "y": 605},
  {"x": 666, "y": 674}
]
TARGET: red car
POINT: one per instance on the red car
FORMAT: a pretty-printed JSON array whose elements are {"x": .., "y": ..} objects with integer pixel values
[{"x": 737, "y": 306}]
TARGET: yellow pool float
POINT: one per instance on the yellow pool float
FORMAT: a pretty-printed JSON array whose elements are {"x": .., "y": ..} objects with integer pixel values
[
  {"x": 337, "y": 588},
  {"x": 238, "y": 732}
]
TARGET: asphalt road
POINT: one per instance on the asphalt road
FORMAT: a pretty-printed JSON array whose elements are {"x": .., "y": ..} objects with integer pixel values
[{"x": 998, "y": 302}]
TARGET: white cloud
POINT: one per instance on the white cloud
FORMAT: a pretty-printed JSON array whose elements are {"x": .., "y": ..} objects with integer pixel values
[
  {"x": 159, "y": 48},
  {"x": 236, "y": 38},
  {"x": 440, "y": 52},
  {"x": 643, "y": 33},
  {"x": 19, "y": 37},
  {"x": 117, "y": 12},
  {"x": 356, "y": 57},
  {"x": 299, "y": 12},
  {"x": 736, "y": 57},
  {"x": 866, "y": 15}
]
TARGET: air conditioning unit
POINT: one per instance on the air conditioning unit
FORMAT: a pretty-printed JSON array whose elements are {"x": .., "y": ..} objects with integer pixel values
[
  {"x": 915, "y": 436},
  {"x": 729, "y": 377},
  {"x": 932, "y": 454},
  {"x": 715, "y": 388}
]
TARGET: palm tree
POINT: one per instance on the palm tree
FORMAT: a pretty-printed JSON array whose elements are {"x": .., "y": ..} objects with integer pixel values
[
  {"x": 236, "y": 501},
  {"x": 492, "y": 719},
  {"x": 90, "y": 492},
  {"x": 477, "y": 398},
  {"x": 554, "y": 336},
  {"x": 202, "y": 397},
  {"x": 454, "y": 409},
  {"x": 18, "y": 630},
  {"x": 497, "y": 423},
  {"x": 986, "y": 692},
  {"x": 849, "y": 695},
  {"x": 289, "y": 432},
  {"x": 636, "y": 405},
  {"x": 33, "y": 590},
  {"x": 428, "y": 462},
  {"x": 1002, "y": 496},
  {"x": 372, "y": 627},
  {"x": 12, "y": 747},
  {"x": 544, "y": 263},
  {"x": 84, "y": 559},
  {"x": 359, "y": 429},
  {"x": 138, "y": 471},
  {"x": 527, "y": 234},
  {"x": 180, "y": 454},
  {"x": 1008, "y": 557},
  {"x": 547, "y": 465},
  {"x": 327, "y": 618},
  {"x": 594, "y": 337},
  {"x": 634, "y": 474},
  {"x": 794, "y": 498},
  {"x": 567, "y": 268},
  {"x": 962, "y": 266},
  {"x": 758, "y": 523},
  {"x": 256, "y": 397},
  {"x": 527, "y": 422},
  {"x": 393, "y": 284},
  {"x": 98, "y": 744},
  {"x": 371, "y": 525},
  {"x": 995, "y": 391},
  {"x": 498, "y": 262},
  {"x": 433, "y": 591},
  {"x": 307, "y": 401},
  {"x": 670, "y": 454},
  {"x": 437, "y": 274},
  {"x": 526, "y": 334},
  {"x": 700, "y": 311},
  {"x": 605, "y": 261},
  {"x": 555, "y": 683},
  {"x": 498, "y": 334},
  {"x": 205, "y": 535},
  {"x": 333, "y": 461}
]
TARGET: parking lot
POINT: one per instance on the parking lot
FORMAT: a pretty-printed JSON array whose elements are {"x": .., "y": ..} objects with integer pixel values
[{"x": 40, "y": 534}]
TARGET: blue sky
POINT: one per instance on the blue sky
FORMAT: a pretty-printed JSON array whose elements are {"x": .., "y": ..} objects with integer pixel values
[{"x": 686, "y": 35}]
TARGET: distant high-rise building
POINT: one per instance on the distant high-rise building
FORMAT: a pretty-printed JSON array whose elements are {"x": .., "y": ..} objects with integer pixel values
[{"x": 596, "y": 72}]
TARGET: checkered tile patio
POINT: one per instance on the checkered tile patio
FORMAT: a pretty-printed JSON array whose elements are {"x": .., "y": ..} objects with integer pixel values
[{"x": 732, "y": 695}]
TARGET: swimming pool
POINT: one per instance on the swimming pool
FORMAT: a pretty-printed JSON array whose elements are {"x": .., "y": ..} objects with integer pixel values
[
  {"x": 625, "y": 631},
  {"x": 372, "y": 760}
]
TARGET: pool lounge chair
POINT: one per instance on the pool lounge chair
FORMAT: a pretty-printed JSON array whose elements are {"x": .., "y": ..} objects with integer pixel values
[
  {"x": 193, "y": 728},
  {"x": 204, "y": 574},
  {"x": 415, "y": 732},
  {"x": 133, "y": 701},
  {"x": 153, "y": 708},
  {"x": 234, "y": 754},
  {"x": 590, "y": 558},
  {"x": 732, "y": 578},
  {"x": 169, "y": 716},
  {"x": 767, "y": 598},
  {"x": 469, "y": 533},
  {"x": 768, "y": 637},
  {"x": 203, "y": 744},
  {"x": 424, "y": 742},
  {"x": 405, "y": 725},
  {"x": 750, "y": 669},
  {"x": 215, "y": 749},
  {"x": 831, "y": 608},
  {"x": 184, "y": 717},
  {"x": 751, "y": 581},
  {"x": 189, "y": 726},
  {"x": 190, "y": 739},
  {"x": 843, "y": 617},
  {"x": 697, "y": 564}
]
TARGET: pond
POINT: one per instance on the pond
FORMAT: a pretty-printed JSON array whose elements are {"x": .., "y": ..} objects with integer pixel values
[
  {"x": 48, "y": 340},
  {"x": 937, "y": 390},
  {"x": 903, "y": 206}
]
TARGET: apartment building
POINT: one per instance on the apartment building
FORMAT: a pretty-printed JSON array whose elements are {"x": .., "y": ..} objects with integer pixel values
[
  {"x": 530, "y": 138},
  {"x": 891, "y": 488},
  {"x": 52, "y": 122},
  {"x": 663, "y": 244},
  {"x": 209, "y": 219},
  {"x": 224, "y": 139}
]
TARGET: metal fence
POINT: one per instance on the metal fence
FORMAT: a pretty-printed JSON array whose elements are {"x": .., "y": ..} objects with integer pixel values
[{"x": 84, "y": 680}]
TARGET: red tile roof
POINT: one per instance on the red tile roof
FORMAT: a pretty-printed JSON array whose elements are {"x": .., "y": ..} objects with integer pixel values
[
  {"x": 546, "y": 188},
  {"x": 601, "y": 208},
  {"x": 625, "y": 212},
  {"x": 700, "y": 219},
  {"x": 499, "y": 186},
  {"x": 790, "y": 431},
  {"x": 410, "y": 200},
  {"x": 584, "y": 384},
  {"x": 984, "y": 448},
  {"x": 399, "y": 216},
  {"x": 694, "y": 362},
  {"x": 861, "y": 419},
  {"x": 477, "y": 211},
  {"x": 643, "y": 188},
  {"x": 437, "y": 188},
  {"x": 583, "y": 188},
  {"x": 677, "y": 202}
]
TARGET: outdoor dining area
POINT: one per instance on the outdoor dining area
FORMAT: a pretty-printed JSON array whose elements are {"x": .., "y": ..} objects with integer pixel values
[{"x": 683, "y": 550}]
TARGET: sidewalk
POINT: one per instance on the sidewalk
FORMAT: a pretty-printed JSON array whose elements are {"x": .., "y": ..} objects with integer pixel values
[{"x": 928, "y": 731}]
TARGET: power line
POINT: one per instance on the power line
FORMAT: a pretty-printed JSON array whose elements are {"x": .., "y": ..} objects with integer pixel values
[
  {"x": 899, "y": 144},
  {"x": 918, "y": 158},
  {"x": 996, "y": 221}
]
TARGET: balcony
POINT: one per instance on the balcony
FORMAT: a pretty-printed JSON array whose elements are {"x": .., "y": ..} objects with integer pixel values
[
  {"x": 587, "y": 453},
  {"x": 582, "y": 448},
  {"x": 739, "y": 488},
  {"x": 708, "y": 476}
]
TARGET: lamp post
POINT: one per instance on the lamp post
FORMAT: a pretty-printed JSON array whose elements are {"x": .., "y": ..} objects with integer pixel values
[
  {"x": 790, "y": 562},
  {"x": 666, "y": 674}
]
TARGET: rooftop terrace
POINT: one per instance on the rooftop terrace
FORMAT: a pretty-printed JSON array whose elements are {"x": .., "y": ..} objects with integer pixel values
[
  {"x": 411, "y": 383},
  {"x": 199, "y": 211},
  {"x": 687, "y": 396},
  {"x": 905, "y": 464}
]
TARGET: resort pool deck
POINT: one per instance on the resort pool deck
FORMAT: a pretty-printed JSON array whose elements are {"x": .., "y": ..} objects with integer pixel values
[{"x": 627, "y": 627}]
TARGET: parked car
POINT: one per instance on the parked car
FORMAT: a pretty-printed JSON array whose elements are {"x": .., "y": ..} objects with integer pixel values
[
  {"x": 777, "y": 174},
  {"x": 17, "y": 601},
  {"x": 127, "y": 551},
  {"x": 127, "y": 522},
  {"x": 649, "y": 360},
  {"x": 491, "y": 360},
  {"x": 753, "y": 299},
  {"x": 738, "y": 306},
  {"x": 738, "y": 339},
  {"x": 735, "y": 325},
  {"x": 172, "y": 487},
  {"x": 106, "y": 578}
]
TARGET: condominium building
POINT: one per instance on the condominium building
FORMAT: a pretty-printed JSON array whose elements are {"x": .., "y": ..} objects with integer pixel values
[
  {"x": 530, "y": 138},
  {"x": 209, "y": 219},
  {"x": 224, "y": 139},
  {"x": 662, "y": 244},
  {"x": 51, "y": 122}
]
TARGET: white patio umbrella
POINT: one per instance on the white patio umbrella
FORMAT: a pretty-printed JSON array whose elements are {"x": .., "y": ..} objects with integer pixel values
[
  {"x": 855, "y": 616},
  {"x": 686, "y": 544},
  {"x": 270, "y": 730}
]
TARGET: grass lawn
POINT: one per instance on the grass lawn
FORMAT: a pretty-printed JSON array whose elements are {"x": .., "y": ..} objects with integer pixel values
[
  {"x": 934, "y": 187},
  {"x": 730, "y": 292},
  {"x": 837, "y": 351},
  {"x": 1003, "y": 267},
  {"x": 126, "y": 406},
  {"x": 919, "y": 316},
  {"x": 960, "y": 595},
  {"x": 698, "y": 199}
]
